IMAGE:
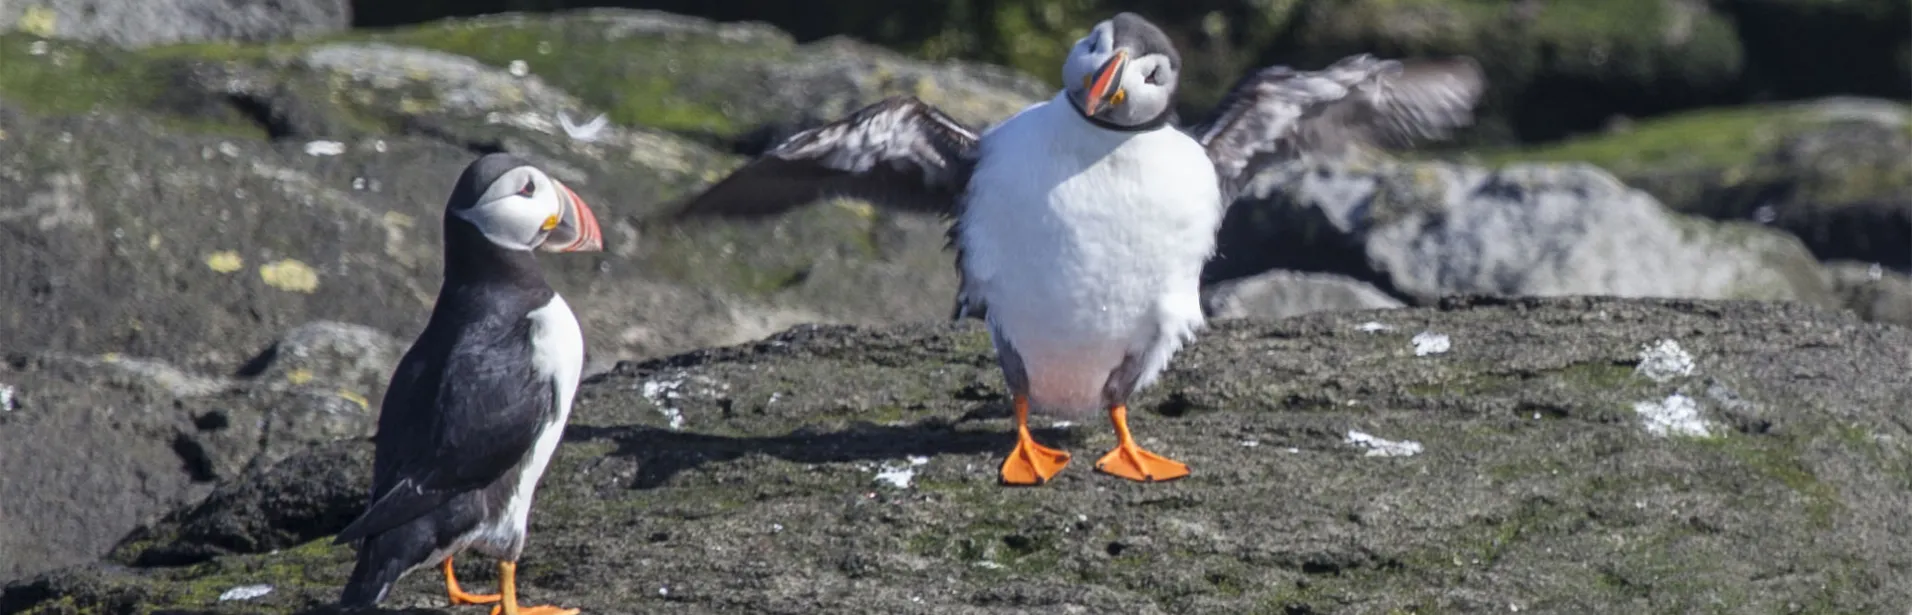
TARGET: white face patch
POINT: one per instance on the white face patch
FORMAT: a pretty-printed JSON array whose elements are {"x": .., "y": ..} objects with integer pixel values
[{"x": 517, "y": 210}]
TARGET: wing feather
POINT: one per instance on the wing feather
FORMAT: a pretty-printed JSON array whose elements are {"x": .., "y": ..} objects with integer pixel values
[
  {"x": 1279, "y": 114},
  {"x": 450, "y": 425},
  {"x": 899, "y": 152}
]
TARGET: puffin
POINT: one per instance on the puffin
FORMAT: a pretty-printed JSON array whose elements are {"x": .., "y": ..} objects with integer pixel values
[
  {"x": 1082, "y": 223},
  {"x": 477, "y": 405}
]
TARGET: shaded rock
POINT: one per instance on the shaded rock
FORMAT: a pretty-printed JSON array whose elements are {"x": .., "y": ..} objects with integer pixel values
[
  {"x": 743, "y": 479},
  {"x": 158, "y": 22},
  {"x": 1873, "y": 292},
  {"x": 312, "y": 495},
  {"x": 85, "y": 459},
  {"x": 96, "y": 446},
  {"x": 1425, "y": 230},
  {"x": 1835, "y": 172},
  {"x": 1280, "y": 294}
]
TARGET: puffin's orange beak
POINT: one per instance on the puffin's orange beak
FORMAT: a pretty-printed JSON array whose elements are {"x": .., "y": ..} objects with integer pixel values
[
  {"x": 577, "y": 228},
  {"x": 1106, "y": 90}
]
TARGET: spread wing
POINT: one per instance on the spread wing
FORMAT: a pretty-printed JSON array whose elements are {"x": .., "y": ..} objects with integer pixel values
[
  {"x": 899, "y": 152},
  {"x": 451, "y": 424},
  {"x": 1278, "y": 113}
]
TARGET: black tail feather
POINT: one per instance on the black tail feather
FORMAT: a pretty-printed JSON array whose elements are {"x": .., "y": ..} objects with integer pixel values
[{"x": 382, "y": 559}]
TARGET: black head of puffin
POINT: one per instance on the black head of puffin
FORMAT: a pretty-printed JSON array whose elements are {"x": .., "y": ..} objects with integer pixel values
[
  {"x": 1123, "y": 74},
  {"x": 517, "y": 206}
]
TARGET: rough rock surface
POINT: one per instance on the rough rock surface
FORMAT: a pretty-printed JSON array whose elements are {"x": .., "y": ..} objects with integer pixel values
[
  {"x": 1561, "y": 455},
  {"x": 96, "y": 445},
  {"x": 1280, "y": 294},
  {"x": 145, "y": 23},
  {"x": 1426, "y": 230}
]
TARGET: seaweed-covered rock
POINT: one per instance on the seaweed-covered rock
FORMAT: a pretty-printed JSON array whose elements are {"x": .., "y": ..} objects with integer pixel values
[
  {"x": 1558, "y": 66},
  {"x": 1836, "y": 172},
  {"x": 1552, "y": 455},
  {"x": 1424, "y": 230}
]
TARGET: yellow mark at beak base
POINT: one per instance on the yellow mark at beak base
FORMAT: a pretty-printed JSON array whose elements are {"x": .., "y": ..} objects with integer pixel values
[{"x": 550, "y": 222}]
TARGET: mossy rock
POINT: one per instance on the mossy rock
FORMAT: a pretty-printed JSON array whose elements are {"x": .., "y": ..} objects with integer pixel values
[
  {"x": 1835, "y": 172},
  {"x": 746, "y": 478}
]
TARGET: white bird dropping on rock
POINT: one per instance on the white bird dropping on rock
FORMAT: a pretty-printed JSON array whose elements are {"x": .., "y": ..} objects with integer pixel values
[
  {"x": 1664, "y": 360},
  {"x": 245, "y": 592},
  {"x": 518, "y": 68},
  {"x": 1429, "y": 342}
]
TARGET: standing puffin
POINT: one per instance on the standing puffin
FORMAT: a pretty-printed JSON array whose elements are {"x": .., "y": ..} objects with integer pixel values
[
  {"x": 478, "y": 404},
  {"x": 1083, "y": 222}
]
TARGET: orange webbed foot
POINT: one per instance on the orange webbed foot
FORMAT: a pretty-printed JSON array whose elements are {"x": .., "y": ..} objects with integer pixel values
[
  {"x": 536, "y": 610},
  {"x": 1130, "y": 461},
  {"x": 458, "y": 596},
  {"x": 1030, "y": 463},
  {"x": 1134, "y": 463}
]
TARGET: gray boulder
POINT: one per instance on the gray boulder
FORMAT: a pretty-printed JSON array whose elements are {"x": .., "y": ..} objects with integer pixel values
[
  {"x": 1559, "y": 455},
  {"x": 1424, "y": 230},
  {"x": 1836, "y": 172},
  {"x": 145, "y": 23}
]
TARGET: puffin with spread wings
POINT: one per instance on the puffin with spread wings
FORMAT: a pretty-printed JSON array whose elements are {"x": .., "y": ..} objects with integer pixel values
[{"x": 1082, "y": 223}]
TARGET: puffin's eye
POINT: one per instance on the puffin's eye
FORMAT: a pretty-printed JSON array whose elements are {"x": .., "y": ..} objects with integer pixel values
[
  {"x": 1155, "y": 76},
  {"x": 530, "y": 188}
]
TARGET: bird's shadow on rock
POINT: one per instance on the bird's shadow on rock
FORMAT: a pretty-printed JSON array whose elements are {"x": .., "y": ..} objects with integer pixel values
[{"x": 663, "y": 453}]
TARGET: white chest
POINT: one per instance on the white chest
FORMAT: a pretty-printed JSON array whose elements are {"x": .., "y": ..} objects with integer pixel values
[{"x": 1087, "y": 244}]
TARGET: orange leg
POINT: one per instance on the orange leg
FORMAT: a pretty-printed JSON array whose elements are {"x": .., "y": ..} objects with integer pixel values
[
  {"x": 1030, "y": 463},
  {"x": 1129, "y": 461},
  {"x": 458, "y": 596},
  {"x": 508, "y": 583}
]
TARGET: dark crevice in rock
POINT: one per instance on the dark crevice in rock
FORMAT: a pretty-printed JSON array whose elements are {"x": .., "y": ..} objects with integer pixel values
[
  {"x": 258, "y": 364},
  {"x": 197, "y": 460},
  {"x": 260, "y": 111}
]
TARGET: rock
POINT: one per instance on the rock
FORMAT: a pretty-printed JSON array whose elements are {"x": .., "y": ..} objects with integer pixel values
[
  {"x": 1873, "y": 292},
  {"x": 1836, "y": 172},
  {"x": 744, "y": 478},
  {"x": 1281, "y": 294},
  {"x": 311, "y": 495},
  {"x": 348, "y": 357},
  {"x": 305, "y": 182},
  {"x": 158, "y": 22},
  {"x": 1558, "y": 67},
  {"x": 98, "y": 445},
  {"x": 1427, "y": 230},
  {"x": 721, "y": 82}
]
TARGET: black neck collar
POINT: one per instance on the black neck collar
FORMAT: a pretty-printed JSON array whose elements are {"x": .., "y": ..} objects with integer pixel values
[{"x": 1160, "y": 119}]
